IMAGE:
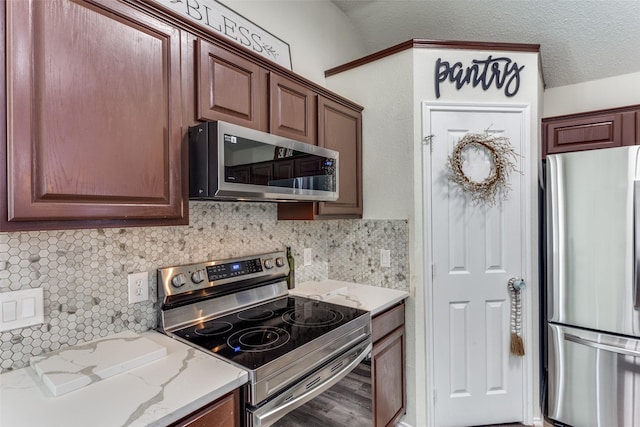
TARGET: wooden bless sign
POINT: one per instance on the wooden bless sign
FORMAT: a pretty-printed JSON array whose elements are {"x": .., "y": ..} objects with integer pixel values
[{"x": 214, "y": 16}]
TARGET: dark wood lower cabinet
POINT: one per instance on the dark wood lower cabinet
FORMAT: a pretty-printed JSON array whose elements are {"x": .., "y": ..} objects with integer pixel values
[
  {"x": 388, "y": 366},
  {"x": 224, "y": 412}
]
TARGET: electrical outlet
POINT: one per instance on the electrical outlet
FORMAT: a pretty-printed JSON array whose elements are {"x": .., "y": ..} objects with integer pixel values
[
  {"x": 385, "y": 258},
  {"x": 138, "y": 287},
  {"x": 308, "y": 258}
]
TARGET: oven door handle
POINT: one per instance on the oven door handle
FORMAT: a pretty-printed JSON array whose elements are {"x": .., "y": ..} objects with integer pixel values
[{"x": 272, "y": 411}]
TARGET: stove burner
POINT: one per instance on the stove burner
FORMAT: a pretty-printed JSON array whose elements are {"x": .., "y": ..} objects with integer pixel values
[
  {"x": 255, "y": 314},
  {"x": 210, "y": 329},
  {"x": 260, "y": 338},
  {"x": 313, "y": 317}
]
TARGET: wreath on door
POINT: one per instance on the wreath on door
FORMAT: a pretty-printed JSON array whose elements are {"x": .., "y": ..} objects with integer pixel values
[{"x": 495, "y": 187}]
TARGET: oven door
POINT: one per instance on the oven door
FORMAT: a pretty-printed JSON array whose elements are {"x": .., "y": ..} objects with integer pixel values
[{"x": 307, "y": 389}]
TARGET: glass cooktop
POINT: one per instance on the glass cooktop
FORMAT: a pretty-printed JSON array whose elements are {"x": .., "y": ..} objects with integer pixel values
[{"x": 261, "y": 334}]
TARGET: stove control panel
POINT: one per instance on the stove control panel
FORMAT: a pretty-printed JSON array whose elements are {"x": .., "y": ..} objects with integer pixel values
[
  {"x": 174, "y": 281},
  {"x": 235, "y": 269}
]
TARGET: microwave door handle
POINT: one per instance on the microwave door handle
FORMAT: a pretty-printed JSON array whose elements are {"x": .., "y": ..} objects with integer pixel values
[{"x": 636, "y": 243}]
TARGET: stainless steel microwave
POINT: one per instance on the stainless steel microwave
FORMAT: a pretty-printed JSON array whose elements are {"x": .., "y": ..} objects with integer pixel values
[{"x": 231, "y": 162}]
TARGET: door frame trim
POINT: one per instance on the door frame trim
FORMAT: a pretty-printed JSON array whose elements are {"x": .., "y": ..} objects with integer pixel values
[{"x": 529, "y": 203}]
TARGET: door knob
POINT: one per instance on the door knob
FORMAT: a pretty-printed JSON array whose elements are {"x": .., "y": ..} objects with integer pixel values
[{"x": 518, "y": 283}]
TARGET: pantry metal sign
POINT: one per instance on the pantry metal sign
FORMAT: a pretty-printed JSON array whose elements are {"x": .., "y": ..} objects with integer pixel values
[
  {"x": 213, "y": 16},
  {"x": 501, "y": 72}
]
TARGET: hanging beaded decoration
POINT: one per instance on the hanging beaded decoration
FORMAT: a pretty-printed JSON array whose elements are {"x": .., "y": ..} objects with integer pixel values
[{"x": 517, "y": 345}]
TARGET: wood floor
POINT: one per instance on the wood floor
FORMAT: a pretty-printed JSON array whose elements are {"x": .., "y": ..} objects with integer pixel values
[{"x": 348, "y": 403}]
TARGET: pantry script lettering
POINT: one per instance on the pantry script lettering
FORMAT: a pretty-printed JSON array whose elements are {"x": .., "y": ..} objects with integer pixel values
[
  {"x": 214, "y": 16},
  {"x": 501, "y": 72}
]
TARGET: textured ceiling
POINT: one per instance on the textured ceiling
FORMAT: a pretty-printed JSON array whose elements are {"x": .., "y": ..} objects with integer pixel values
[{"x": 580, "y": 40}]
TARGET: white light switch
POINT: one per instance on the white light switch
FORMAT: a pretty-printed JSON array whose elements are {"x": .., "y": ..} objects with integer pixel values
[
  {"x": 28, "y": 307},
  {"x": 308, "y": 258},
  {"x": 9, "y": 311},
  {"x": 21, "y": 308},
  {"x": 385, "y": 258}
]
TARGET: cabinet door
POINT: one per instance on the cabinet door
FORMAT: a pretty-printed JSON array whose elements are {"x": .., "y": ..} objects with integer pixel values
[
  {"x": 387, "y": 370},
  {"x": 586, "y": 133},
  {"x": 224, "y": 412},
  {"x": 93, "y": 115},
  {"x": 293, "y": 110},
  {"x": 231, "y": 88},
  {"x": 340, "y": 129}
]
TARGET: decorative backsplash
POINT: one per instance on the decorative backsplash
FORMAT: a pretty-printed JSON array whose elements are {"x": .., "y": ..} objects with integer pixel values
[{"x": 84, "y": 272}]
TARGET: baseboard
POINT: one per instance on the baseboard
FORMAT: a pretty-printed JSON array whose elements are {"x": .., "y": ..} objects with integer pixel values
[{"x": 403, "y": 424}]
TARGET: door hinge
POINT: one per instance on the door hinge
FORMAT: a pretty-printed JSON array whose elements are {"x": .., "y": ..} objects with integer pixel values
[{"x": 435, "y": 396}]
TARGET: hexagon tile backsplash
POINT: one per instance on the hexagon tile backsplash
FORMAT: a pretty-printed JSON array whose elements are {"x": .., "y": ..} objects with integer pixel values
[{"x": 84, "y": 272}]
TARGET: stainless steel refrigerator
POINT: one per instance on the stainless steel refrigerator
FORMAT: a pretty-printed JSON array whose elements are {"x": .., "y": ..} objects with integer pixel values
[{"x": 593, "y": 290}]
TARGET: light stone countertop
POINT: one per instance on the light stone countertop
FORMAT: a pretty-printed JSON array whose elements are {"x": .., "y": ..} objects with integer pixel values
[
  {"x": 370, "y": 298},
  {"x": 155, "y": 394}
]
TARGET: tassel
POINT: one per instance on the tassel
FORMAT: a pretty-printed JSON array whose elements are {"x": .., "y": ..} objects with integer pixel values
[{"x": 517, "y": 346}]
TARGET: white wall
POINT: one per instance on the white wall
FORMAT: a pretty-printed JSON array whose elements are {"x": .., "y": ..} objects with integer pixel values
[
  {"x": 601, "y": 94},
  {"x": 319, "y": 35},
  {"x": 385, "y": 89}
]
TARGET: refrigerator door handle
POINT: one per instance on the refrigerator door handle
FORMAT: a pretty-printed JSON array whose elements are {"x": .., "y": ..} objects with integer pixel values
[
  {"x": 636, "y": 243},
  {"x": 601, "y": 346}
]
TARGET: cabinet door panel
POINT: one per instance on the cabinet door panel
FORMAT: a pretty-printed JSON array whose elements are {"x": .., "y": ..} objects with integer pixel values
[
  {"x": 583, "y": 133},
  {"x": 231, "y": 88},
  {"x": 224, "y": 412},
  {"x": 293, "y": 110},
  {"x": 93, "y": 93},
  {"x": 340, "y": 129},
  {"x": 387, "y": 367}
]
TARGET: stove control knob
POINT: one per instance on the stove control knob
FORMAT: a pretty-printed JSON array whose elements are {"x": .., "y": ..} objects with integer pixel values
[
  {"x": 280, "y": 261},
  {"x": 197, "y": 276},
  {"x": 268, "y": 263},
  {"x": 178, "y": 280}
]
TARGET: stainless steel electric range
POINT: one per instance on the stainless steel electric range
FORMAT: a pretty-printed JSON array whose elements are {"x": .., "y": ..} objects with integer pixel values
[{"x": 239, "y": 310}]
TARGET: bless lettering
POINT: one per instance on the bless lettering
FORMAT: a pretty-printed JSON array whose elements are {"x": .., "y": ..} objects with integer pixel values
[{"x": 203, "y": 13}]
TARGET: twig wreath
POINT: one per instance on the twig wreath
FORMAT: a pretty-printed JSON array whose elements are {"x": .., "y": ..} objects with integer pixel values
[{"x": 494, "y": 187}]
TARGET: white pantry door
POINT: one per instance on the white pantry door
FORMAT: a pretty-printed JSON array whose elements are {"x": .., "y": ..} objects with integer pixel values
[{"x": 475, "y": 249}]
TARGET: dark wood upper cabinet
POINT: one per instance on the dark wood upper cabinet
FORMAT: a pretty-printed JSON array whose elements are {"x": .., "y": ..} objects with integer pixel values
[
  {"x": 339, "y": 129},
  {"x": 93, "y": 124},
  {"x": 293, "y": 109},
  {"x": 231, "y": 88},
  {"x": 591, "y": 130}
]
